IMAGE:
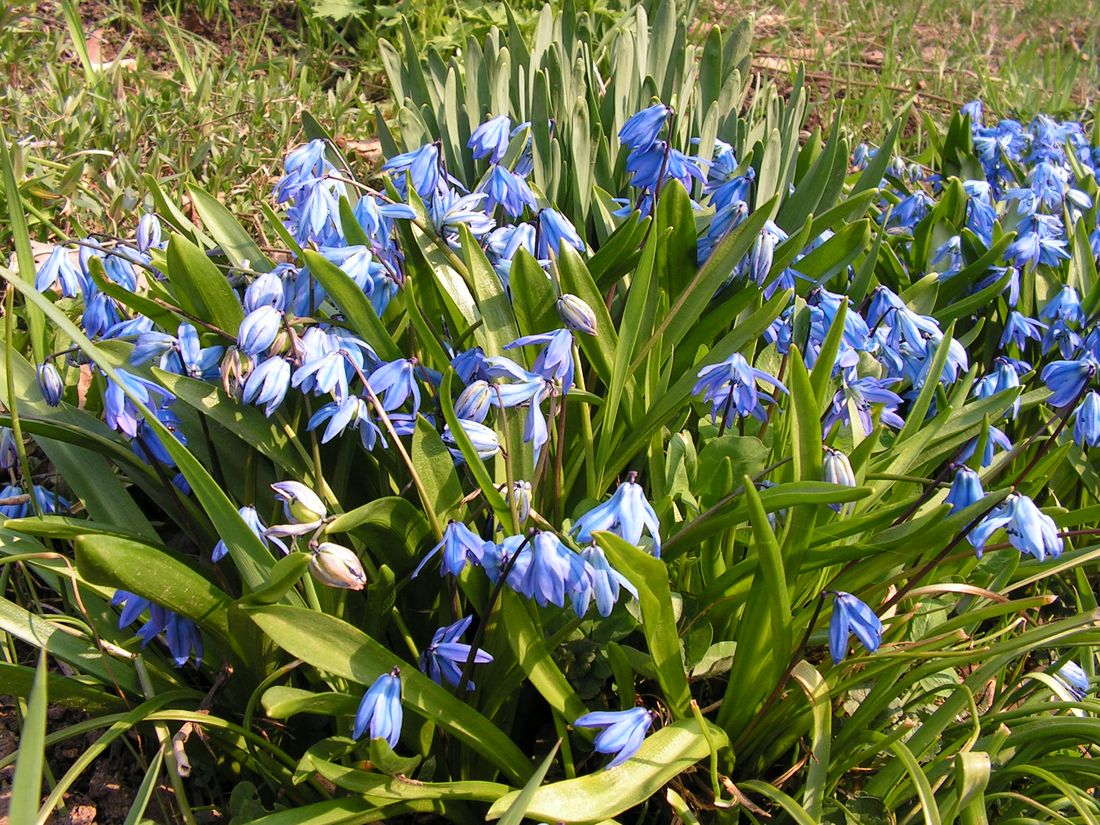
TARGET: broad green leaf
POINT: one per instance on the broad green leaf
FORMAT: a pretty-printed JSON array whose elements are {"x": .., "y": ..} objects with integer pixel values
[
  {"x": 817, "y": 692},
  {"x": 27, "y": 784},
  {"x": 283, "y": 702},
  {"x": 664, "y": 755},
  {"x": 201, "y": 288},
  {"x": 650, "y": 576},
  {"x": 69, "y": 691},
  {"x": 237, "y": 245},
  {"x": 435, "y": 468},
  {"x": 516, "y": 811},
  {"x": 333, "y": 646}
]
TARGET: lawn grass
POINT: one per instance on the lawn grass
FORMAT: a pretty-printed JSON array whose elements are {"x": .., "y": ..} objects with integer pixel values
[
  {"x": 215, "y": 95},
  {"x": 1021, "y": 57}
]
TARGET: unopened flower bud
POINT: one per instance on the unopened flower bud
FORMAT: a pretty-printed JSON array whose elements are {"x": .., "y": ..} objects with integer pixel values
[
  {"x": 235, "y": 369},
  {"x": 300, "y": 503},
  {"x": 337, "y": 566},
  {"x": 837, "y": 469},
  {"x": 474, "y": 402},
  {"x": 576, "y": 314},
  {"x": 521, "y": 495},
  {"x": 49, "y": 381},
  {"x": 148, "y": 232}
]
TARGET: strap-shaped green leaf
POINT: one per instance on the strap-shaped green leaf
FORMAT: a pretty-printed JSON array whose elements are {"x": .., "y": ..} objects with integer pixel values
[
  {"x": 665, "y": 754},
  {"x": 237, "y": 244},
  {"x": 200, "y": 287},
  {"x": 650, "y": 576},
  {"x": 336, "y": 647}
]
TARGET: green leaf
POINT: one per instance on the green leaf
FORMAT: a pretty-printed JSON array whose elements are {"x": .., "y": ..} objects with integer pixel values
[
  {"x": 518, "y": 809},
  {"x": 237, "y": 245},
  {"x": 201, "y": 288},
  {"x": 155, "y": 575},
  {"x": 499, "y": 321},
  {"x": 690, "y": 303},
  {"x": 283, "y": 702},
  {"x": 334, "y": 646},
  {"x": 274, "y": 440},
  {"x": 26, "y": 786},
  {"x": 576, "y": 279},
  {"x": 354, "y": 303},
  {"x": 401, "y": 529},
  {"x": 650, "y": 576},
  {"x": 600, "y": 796},
  {"x": 284, "y": 574},
  {"x": 68, "y": 691},
  {"x": 817, "y": 691},
  {"x": 436, "y": 469},
  {"x": 792, "y": 808}
]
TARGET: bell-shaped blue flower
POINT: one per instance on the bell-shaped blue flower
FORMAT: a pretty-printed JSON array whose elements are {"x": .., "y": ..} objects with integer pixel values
[
  {"x": 460, "y": 546},
  {"x": 1029, "y": 530},
  {"x": 851, "y": 615},
  {"x": 1067, "y": 379},
  {"x": 259, "y": 329},
  {"x": 49, "y": 382},
  {"x": 554, "y": 230},
  {"x": 267, "y": 384},
  {"x": 622, "y": 734},
  {"x": 966, "y": 489},
  {"x": 1086, "y": 423},
  {"x": 490, "y": 139},
  {"x": 508, "y": 190},
  {"x": 626, "y": 513},
  {"x": 380, "y": 709},
  {"x": 445, "y": 657},
  {"x": 642, "y": 128}
]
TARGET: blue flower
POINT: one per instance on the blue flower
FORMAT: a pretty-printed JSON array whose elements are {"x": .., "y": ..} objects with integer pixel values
[
  {"x": 1020, "y": 328},
  {"x": 252, "y": 520},
  {"x": 996, "y": 438},
  {"x": 300, "y": 504},
  {"x": 836, "y": 469},
  {"x": 576, "y": 314},
  {"x": 862, "y": 394},
  {"x": 9, "y": 454},
  {"x": 544, "y": 579},
  {"x": 394, "y": 382},
  {"x": 474, "y": 401},
  {"x": 556, "y": 358},
  {"x": 1065, "y": 306},
  {"x": 445, "y": 657},
  {"x": 1003, "y": 378},
  {"x": 490, "y": 139},
  {"x": 623, "y": 731},
  {"x": 966, "y": 489},
  {"x": 1074, "y": 678},
  {"x": 641, "y": 129},
  {"x": 605, "y": 582},
  {"x": 148, "y": 232},
  {"x": 267, "y": 384},
  {"x": 259, "y": 329},
  {"x": 554, "y": 230},
  {"x": 337, "y": 566},
  {"x": 626, "y": 514},
  {"x": 460, "y": 546},
  {"x": 121, "y": 413},
  {"x": 421, "y": 166},
  {"x": 508, "y": 190},
  {"x": 1067, "y": 379},
  {"x": 730, "y": 387},
  {"x": 380, "y": 709},
  {"x": 850, "y": 615},
  {"x": 1086, "y": 425},
  {"x": 59, "y": 268},
  {"x": 49, "y": 382},
  {"x": 484, "y": 439},
  {"x": 1029, "y": 530},
  {"x": 180, "y": 634}
]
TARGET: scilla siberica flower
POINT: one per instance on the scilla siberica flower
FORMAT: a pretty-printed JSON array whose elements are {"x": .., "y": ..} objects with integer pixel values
[
  {"x": 836, "y": 469},
  {"x": 1086, "y": 424},
  {"x": 337, "y": 566},
  {"x": 623, "y": 731},
  {"x": 302, "y": 507},
  {"x": 555, "y": 230},
  {"x": 460, "y": 546},
  {"x": 252, "y": 520},
  {"x": 380, "y": 709},
  {"x": 267, "y": 384},
  {"x": 1067, "y": 379},
  {"x": 576, "y": 314},
  {"x": 445, "y": 657},
  {"x": 484, "y": 440},
  {"x": 966, "y": 489},
  {"x": 851, "y": 615},
  {"x": 642, "y": 128},
  {"x": 626, "y": 514},
  {"x": 49, "y": 382},
  {"x": 259, "y": 329},
  {"x": 1074, "y": 678},
  {"x": 180, "y": 634},
  {"x": 1029, "y": 530},
  {"x": 490, "y": 139},
  {"x": 60, "y": 269},
  {"x": 730, "y": 388},
  {"x": 121, "y": 413},
  {"x": 556, "y": 358}
]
